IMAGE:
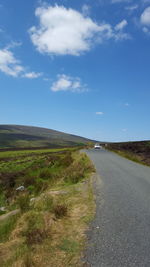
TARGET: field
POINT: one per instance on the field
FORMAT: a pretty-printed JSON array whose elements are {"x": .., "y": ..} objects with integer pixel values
[
  {"x": 136, "y": 151},
  {"x": 44, "y": 223}
]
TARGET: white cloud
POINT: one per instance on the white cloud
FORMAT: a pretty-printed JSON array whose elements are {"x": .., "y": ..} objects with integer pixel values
[
  {"x": 146, "y": 30},
  {"x": 99, "y": 113},
  {"x": 124, "y": 130},
  {"x": 11, "y": 66},
  {"x": 12, "y": 45},
  {"x": 145, "y": 17},
  {"x": 63, "y": 31},
  {"x": 120, "y": 26},
  {"x": 127, "y": 104},
  {"x": 68, "y": 83},
  {"x": 131, "y": 8},
  {"x": 32, "y": 75},
  {"x": 121, "y": 1}
]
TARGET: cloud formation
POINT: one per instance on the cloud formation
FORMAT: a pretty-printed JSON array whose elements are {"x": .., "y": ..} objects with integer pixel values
[
  {"x": 68, "y": 83},
  {"x": 120, "y": 1},
  {"x": 63, "y": 31},
  {"x": 11, "y": 66},
  {"x": 99, "y": 113},
  {"x": 32, "y": 75},
  {"x": 145, "y": 17},
  {"x": 131, "y": 8},
  {"x": 145, "y": 20},
  {"x": 120, "y": 26}
]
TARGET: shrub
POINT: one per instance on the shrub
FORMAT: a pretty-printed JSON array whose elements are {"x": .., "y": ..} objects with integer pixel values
[
  {"x": 66, "y": 160},
  {"x": 8, "y": 179},
  {"x": 29, "y": 180},
  {"x": 45, "y": 174},
  {"x": 35, "y": 232},
  {"x": 35, "y": 236},
  {"x": 60, "y": 210}
]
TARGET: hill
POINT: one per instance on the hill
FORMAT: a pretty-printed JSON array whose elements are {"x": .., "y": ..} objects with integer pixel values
[
  {"x": 18, "y": 136},
  {"x": 138, "y": 151}
]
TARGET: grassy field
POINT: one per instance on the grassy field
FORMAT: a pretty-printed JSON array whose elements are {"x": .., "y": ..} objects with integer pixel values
[
  {"x": 136, "y": 151},
  {"x": 44, "y": 225}
]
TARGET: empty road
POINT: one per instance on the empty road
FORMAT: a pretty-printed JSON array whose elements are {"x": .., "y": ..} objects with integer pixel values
[{"x": 119, "y": 236}]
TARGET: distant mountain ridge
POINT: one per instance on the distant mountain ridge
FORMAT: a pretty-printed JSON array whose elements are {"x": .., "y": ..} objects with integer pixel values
[{"x": 19, "y": 136}]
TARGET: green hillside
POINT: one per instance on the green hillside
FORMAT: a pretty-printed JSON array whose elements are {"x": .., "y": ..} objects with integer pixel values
[{"x": 18, "y": 136}]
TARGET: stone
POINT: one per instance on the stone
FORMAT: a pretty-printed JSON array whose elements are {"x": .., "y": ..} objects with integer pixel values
[{"x": 20, "y": 188}]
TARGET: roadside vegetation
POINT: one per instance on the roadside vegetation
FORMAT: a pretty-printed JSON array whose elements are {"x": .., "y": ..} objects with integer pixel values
[
  {"x": 135, "y": 151},
  {"x": 46, "y": 203}
]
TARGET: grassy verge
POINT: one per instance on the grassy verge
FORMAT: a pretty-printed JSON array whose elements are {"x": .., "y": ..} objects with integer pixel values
[
  {"x": 55, "y": 209},
  {"x": 138, "y": 151},
  {"x": 131, "y": 156}
]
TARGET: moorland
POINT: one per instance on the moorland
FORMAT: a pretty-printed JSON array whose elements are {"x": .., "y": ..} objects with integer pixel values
[
  {"x": 46, "y": 202},
  {"x": 137, "y": 151},
  {"x": 19, "y": 136}
]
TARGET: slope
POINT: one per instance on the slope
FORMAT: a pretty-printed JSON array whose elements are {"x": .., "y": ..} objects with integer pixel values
[{"x": 19, "y": 136}]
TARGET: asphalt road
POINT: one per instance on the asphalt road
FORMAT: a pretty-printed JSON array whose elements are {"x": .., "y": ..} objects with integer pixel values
[{"x": 119, "y": 236}]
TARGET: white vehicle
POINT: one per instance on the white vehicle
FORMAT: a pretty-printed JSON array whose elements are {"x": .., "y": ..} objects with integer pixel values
[{"x": 97, "y": 146}]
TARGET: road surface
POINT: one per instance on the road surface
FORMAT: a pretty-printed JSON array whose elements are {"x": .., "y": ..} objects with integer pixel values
[{"x": 119, "y": 236}]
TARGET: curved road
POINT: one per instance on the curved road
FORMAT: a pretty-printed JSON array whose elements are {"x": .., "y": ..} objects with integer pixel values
[{"x": 120, "y": 234}]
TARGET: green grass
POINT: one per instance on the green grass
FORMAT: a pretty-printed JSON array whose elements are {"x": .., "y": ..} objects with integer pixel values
[
  {"x": 6, "y": 227},
  {"x": 38, "y": 171},
  {"x": 69, "y": 246},
  {"x": 11, "y": 154},
  {"x": 35, "y": 170}
]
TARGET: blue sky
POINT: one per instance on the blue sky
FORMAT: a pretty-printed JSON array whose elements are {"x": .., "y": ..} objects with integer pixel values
[{"x": 81, "y": 67}]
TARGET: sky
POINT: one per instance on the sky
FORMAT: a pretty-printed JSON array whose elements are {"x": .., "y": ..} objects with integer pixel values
[{"x": 81, "y": 67}]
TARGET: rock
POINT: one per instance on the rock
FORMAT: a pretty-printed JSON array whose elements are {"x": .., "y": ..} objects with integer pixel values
[
  {"x": 2, "y": 209},
  {"x": 20, "y": 188}
]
